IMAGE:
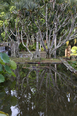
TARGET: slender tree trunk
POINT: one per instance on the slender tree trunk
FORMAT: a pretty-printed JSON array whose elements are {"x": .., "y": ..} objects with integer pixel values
[
  {"x": 27, "y": 42},
  {"x": 55, "y": 40},
  {"x": 14, "y": 49},
  {"x": 37, "y": 54},
  {"x": 15, "y": 44},
  {"x": 54, "y": 31},
  {"x": 37, "y": 79},
  {"x": 55, "y": 73},
  {"x": 46, "y": 26},
  {"x": 48, "y": 55},
  {"x": 47, "y": 39},
  {"x": 31, "y": 55},
  {"x": 17, "y": 49},
  {"x": 40, "y": 45}
]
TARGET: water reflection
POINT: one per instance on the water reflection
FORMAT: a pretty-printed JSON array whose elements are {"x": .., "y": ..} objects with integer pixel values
[{"x": 38, "y": 90}]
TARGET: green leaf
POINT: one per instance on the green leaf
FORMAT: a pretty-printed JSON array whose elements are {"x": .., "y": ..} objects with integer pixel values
[
  {"x": 74, "y": 62},
  {"x": 74, "y": 48},
  {"x": 3, "y": 114},
  {"x": 2, "y": 94},
  {"x": 1, "y": 61},
  {"x": 13, "y": 101},
  {"x": 0, "y": 67},
  {"x": 2, "y": 79},
  {"x": 74, "y": 51},
  {"x": 13, "y": 65},
  {"x": 7, "y": 68},
  {"x": 13, "y": 73},
  {"x": 4, "y": 57}
]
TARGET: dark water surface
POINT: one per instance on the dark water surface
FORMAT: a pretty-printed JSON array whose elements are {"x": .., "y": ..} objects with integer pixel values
[{"x": 40, "y": 90}]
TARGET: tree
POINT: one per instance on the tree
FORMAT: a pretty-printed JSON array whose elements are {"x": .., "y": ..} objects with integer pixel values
[
  {"x": 17, "y": 15},
  {"x": 49, "y": 25},
  {"x": 50, "y": 20},
  {"x": 22, "y": 14},
  {"x": 58, "y": 22}
]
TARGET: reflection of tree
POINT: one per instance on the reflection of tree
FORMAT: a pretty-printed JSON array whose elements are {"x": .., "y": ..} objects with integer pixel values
[
  {"x": 6, "y": 99},
  {"x": 39, "y": 94},
  {"x": 42, "y": 93}
]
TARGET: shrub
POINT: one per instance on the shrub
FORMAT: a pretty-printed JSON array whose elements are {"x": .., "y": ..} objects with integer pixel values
[
  {"x": 32, "y": 47},
  {"x": 61, "y": 51},
  {"x": 22, "y": 48},
  {"x": 42, "y": 49},
  {"x": 6, "y": 67},
  {"x": 74, "y": 51}
]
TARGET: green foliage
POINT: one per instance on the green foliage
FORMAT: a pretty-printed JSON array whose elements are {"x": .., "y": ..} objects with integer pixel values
[
  {"x": 61, "y": 51},
  {"x": 2, "y": 79},
  {"x": 3, "y": 34},
  {"x": 1, "y": 23},
  {"x": 4, "y": 57},
  {"x": 31, "y": 47},
  {"x": 3, "y": 114},
  {"x": 13, "y": 100},
  {"x": 5, "y": 67},
  {"x": 12, "y": 8},
  {"x": 2, "y": 14},
  {"x": 42, "y": 49},
  {"x": 13, "y": 65},
  {"x": 17, "y": 20},
  {"x": 21, "y": 47},
  {"x": 6, "y": 23},
  {"x": 74, "y": 51},
  {"x": 23, "y": 13},
  {"x": 73, "y": 64}
]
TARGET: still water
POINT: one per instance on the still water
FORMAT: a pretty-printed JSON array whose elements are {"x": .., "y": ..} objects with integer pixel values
[{"x": 40, "y": 90}]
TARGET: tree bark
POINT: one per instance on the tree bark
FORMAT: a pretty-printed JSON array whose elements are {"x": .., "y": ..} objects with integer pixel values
[
  {"x": 48, "y": 55},
  {"x": 37, "y": 53},
  {"x": 55, "y": 40},
  {"x": 14, "y": 49}
]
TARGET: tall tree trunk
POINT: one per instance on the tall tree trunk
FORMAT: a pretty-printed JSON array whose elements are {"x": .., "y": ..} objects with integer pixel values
[
  {"x": 54, "y": 31},
  {"x": 14, "y": 49},
  {"x": 15, "y": 44},
  {"x": 55, "y": 40},
  {"x": 47, "y": 26},
  {"x": 37, "y": 54},
  {"x": 31, "y": 54},
  {"x": 48, "y": 55},
  {"x": 12, "y": 43},
  {"x": 17, "y": 49},
  {"x": 55, "y": 73},
  {"x": 47, "y": 38}
]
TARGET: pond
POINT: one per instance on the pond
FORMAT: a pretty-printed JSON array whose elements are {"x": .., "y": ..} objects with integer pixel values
[{"x": 40, "y": 90}]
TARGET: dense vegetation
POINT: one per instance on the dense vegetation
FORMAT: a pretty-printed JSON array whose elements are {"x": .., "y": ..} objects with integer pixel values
[
  {"x": 53, "y": 21},
  {"x": 5, "y": 67},
  {"x": 33, "y": 25}
]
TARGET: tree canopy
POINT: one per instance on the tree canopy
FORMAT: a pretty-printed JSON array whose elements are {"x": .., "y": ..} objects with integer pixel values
[{"x": 53, "y": 20}]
